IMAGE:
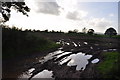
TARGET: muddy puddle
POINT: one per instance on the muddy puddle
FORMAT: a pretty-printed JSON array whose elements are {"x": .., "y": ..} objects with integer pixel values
[
  {"x": 79, "y": 60},
  {"x": 42, "y": 74}
]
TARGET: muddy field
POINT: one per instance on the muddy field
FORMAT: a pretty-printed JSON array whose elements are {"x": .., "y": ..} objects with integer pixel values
[{"x": 77, "y": 57}]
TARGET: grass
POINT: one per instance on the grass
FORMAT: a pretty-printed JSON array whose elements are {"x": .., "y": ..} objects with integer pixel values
[
  {"x": 116, "y": 36},
  {"x": 109, "y": 67},
  {"x": 33, "y": 46},
  {"x": 17, "y": 43},
  {"x": 49, "y": 45}
]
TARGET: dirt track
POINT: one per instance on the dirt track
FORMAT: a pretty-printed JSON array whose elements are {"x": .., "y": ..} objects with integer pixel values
[{"x": 88, "y": 45}]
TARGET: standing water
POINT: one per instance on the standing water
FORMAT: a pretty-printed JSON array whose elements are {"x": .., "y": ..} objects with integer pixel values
[{"x": 79, "y": 59}]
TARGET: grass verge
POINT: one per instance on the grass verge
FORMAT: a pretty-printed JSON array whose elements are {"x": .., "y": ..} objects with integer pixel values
[{"x": 108, "y": 68}]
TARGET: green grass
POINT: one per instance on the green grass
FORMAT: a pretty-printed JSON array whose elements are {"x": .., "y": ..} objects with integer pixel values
[
  {"x": 101, "y": 35},
  {"x": 109, "y": 67}
]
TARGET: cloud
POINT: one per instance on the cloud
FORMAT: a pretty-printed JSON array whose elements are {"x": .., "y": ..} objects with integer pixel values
[
  {"x": 76, "y": 15},
  {"x": 71, "y": 10},
  {"x": 68, "y": 8},
  {"x": 100, "y": 23},
  {"x": 47, "y": 7},
  {"x": 68, "y": 5},
  {"x": 111, "y": 15}
]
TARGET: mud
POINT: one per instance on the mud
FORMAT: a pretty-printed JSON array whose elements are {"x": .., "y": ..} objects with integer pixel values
[{"x": 16, "y": 67}]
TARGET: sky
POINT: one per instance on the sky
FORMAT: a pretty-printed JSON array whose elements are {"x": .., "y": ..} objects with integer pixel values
[{"x": 67, "y": 15}]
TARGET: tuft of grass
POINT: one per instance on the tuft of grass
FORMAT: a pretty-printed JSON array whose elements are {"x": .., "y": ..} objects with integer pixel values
[
  {"x": 109, "y": 67},
  {"x": 116, "y": 36},
  {"x": 49, "y": 45}
]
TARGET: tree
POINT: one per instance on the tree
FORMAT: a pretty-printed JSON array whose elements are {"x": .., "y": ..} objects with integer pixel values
[
  {"x": 84, "y": 30},
  {"x": 110, "y": 32},
  {"x": 5, "y": 8},
  {"x": 90, "y": 31},
  {"x": 75, "y": 30},
  {"x": 70, "y": 31}
]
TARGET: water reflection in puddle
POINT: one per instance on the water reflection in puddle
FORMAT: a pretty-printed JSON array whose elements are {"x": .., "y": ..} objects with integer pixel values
[
  {"x": 75, "y": 44},
  {"x": 85, "y": 43},
  {"x": 95, "y": 61},
  {"x": 79, "y": 44},
  {"x": 91, "y": 47},
  {"x": 57, "y": 42},
  {"x": 63, "y": 54},
  {"x": 51, "y": 55},
  {"x": 110, "y": 50},
  {"x": 31, "y": 70},
  {"x": 60, "y": 48},
  {"x": 68, "y": 43},
  {"x": 43, "y": 74},
  {"x": 26, "y": 74},
  {"x": 79, "y": 59},
  {"x": 105, "y": 50}
]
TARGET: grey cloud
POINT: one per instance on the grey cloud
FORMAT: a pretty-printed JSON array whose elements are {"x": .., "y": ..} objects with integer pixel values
[
  {"x": 76, "y": 15},
  {"x": 103, "y": 24},
  {"x": 73, "y": 15},
  {"x": 48, "y": 8},
  {"x": 100, "y": 23}
]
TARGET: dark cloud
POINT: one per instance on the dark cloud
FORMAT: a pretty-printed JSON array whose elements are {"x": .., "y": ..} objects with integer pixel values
[{"x": 48, "y": 8}]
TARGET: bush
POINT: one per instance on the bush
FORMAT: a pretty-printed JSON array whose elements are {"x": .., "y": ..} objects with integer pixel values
[{"x": 16, "y": 42}]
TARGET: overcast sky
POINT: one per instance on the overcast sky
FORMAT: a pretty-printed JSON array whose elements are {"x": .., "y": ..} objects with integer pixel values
[{"x": 67, "y": 15}]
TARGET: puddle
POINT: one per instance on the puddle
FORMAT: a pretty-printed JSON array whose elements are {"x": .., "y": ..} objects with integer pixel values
[
  {"x": 112, "y": 49},
  {"x": 79, "y": 44},
  {"x": 50, "y": 56},
  {"x": 91, "y": 47},
  {"x": 26, "y": 74},
  {"x": 85, "y": 43},
  {"x": 60, "y": 48},
  {"x": 57, "y": 42},
  {"x": 63, "y": 54},
  {"x": 31, "y": 70},
  {"x": 68, "y": 43},
  {"x": 75, "y": 44},
  {"x": 95, "y": 61},
  {"x": 79, "y": 59},
  {"x": 105, "y": 50},
  {"x": 57, "y": 52},
  {"x": 44, "y": 74}
]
